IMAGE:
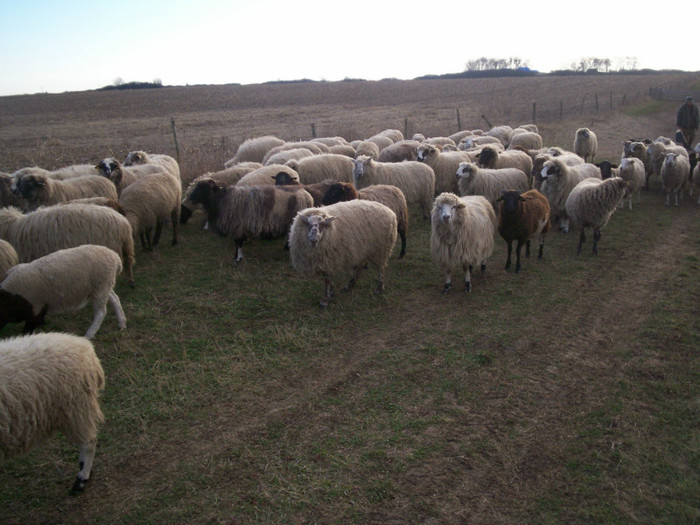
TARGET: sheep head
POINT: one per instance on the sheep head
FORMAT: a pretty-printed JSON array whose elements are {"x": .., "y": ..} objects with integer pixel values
[
  {"x": 339, "y": 192},
  {"x": 466, "y": 170},
  {"x": 510, "y": 201},
  {"x": 552, "y": 169},
  {"x": 487, "y": 156},
  {"x": 29, "y": 186},
  {"x": 425, "y": 151},
  {"x": 136, "y": 157},
  {"x": 284, "y": 178},
  {"x": 446, "y": 207},
  {"x": 361, "y": 164},
  {"x": 317, "y": 223},
  {"x": 109, "y": 168},
  {"x": 204, "y": 190}
]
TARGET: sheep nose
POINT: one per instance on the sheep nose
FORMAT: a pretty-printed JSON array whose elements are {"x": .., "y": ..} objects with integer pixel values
[{"x": 446, "y": 217}]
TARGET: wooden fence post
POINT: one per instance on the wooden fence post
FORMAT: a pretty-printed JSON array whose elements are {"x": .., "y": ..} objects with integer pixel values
[
  {"x": 405, "y": 127},
  {"x": 487, "y": 121},
  {"x": 177, "y": 148},
  {"x": 534, "y": 112},
  {"x": 223, "y": 149},
  {"x": 313, "y": 131},
  {"x": 561, "y": 109},
  {"x": 596, "y": 103},
  {"x": 611, "y": 101},
  {"x": 459, "y": 122}
]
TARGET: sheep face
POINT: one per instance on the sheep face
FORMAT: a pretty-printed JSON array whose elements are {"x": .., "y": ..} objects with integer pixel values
[
  {"x": 14, "y": 308},
  {"x": 317, "y": 224},
  {"x": 107, "y": 167},
  {"x": 550, "y": 170},
  {"x": 135, "y": 157},
  {"x": 465, "y": 171},
  {"x": 670, "y": 160},
  {"x": 361, "y": 164},
  {"x": 204, "y": 190},
  {"x": 284, "y": 179},
  {"x": 426, "y": 151},
  {"x": 511, "y": 200},
  {"x": 583, "y": 133},
  {"x": 487, "y": 156},
  {"x": 606, "y": 168},
  {"x": 30, "y": 186},
  {"x": 446, "y": 211}
]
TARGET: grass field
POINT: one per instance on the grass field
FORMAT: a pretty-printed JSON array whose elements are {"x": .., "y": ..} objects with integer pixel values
[{"x": 567, "y": 393}]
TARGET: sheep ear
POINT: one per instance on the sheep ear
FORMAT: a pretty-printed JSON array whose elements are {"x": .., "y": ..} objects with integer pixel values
[
  {"x": 461, "y": 205},
  {"x": 328, "y": 220}
]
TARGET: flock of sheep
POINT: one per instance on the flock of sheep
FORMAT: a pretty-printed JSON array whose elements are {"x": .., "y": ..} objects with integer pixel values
[{"x": 66, "y": 235}]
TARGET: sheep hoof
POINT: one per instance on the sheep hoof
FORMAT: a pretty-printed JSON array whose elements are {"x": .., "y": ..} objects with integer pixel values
[
  {"x": 517, "y": 269},
  {"x": 446, "y": 288},
  {"x": 323, "y": 304},
  {"x": 468, "y": 286},
  {"x": 79, "y": 485}
]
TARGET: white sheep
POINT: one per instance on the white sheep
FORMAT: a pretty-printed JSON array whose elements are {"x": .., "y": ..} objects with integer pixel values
[
  {"x": 462, "y": 235},
  {"x": 340, "y": 239},
  {"x": 491, "y": 157},
  {"x": 50, "y": 382},
  {"x": 473, "y": 180},
  {"x": 502, "y": 133},
  {"x": 342, "y": 149},
  {"x": 478, "y": 141},
  {"x": 149, "y": 203},
  {"x": 266, "y": 174},
  {"x": 40, "y": 190},
  {"x": 315, "y": 148},
  {"x": 443, "y": 143},
  {"x": 382, "y": 141},
  {"x": 321, "y": 167},
  {"x": 591, "y": 204},
  {"x": 632, "y": 172},
  {"x": 394, "y": 134},
  {"x": 53, "y": 228},
  {"x": 254, "y": 150},
  {"x": 249, "y": 211},
  {"x": 139, "y": 157},
  {"x": 61, "y": 282},
  {"x": 331, "y": 141},
  {"x": 538, "y": 163},
  {"x": 415, "y": 180},
  {"x": 8, "y": 258},
  {"x": 368, "y": 149},
  {"x": 526, "y": 140},
  {"x": 444, "y": 166},
  {"x": 399, "y": 151},
  {"x": 123, "y": 176},
  {"x": 585, "y": 144},
  {"x": 674, "y": 175},
  {"x": 558, "y": 180}
]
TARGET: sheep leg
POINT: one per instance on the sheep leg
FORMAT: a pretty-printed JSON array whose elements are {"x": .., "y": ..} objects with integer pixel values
[
  {"x": 87, "y": 454},
  {"x": 402, "y": 234},
  {"x": 448, "y": 283},
  {"x": 596, "y": 238},
  {"x": 518, "y": 249},
  {"x": 156, "y": 235},
  {"x": 353, "y": 279},
  {"x": 118, "y": 310},
  {"x": 174, "y": 221},
  {"x": 380, "y": 284},
  {"x": 239, "y": 250},
  {"x": 328, "y": 294},
  {"x": 581, "y": 240},
  {"x": 675, "y": 196},
  {"x": 100, "y": 309},
  {"x": 527, "y": 248},
  {"x": 510, "y": 250},
  {"x": 144, "y": 243},
  {"x": 539, "y": 255},
  {"x": 468, "y": 278}
]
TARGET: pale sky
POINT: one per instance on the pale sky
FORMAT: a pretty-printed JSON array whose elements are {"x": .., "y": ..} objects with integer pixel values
[{"x": 74, "y": 45}]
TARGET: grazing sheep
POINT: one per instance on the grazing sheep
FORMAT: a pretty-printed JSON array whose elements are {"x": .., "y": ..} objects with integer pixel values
[
  {"x": 558, "y": 180},
  {"x": 226, "y": 176},
  {"x": 585, "y": 144},
  {"x": 321, "y": 167},
  {"x": 591, "y": 204},
  {"x": 50, "y": 382},
  {"x": 632, "y": 172},
  {"x": 266, "y": 174},
  {"x": 254, "y": 150},
  {"x": 473, "y": 180},
  {"x": 674, "y": 175},
  {"x": 249, "y": 211},
  {"x": 526, "y": 140},
  {"x": 61, "y": 282},
  {"x": 462, "y": 235},
  {"x": 367, "y": 149},
  {"x": 123, "y": 176},
  {"x": 341, "y": 239},
  {"x": 521, "y": 216},
  {"x": 149, "y": 203},
  {"x": 53, "y": 228},
  {"x": 444, "y": 166},
  {"x": 387, "y": 194},
  {"x": 8, "y": 258},
  {"x": 139, "y": 157},
  {"x": 476, "y": 142},
  {"x": 399, "y": 151},
  {"x": 317, "y": 191},
  {"x": 40, "y": 190},
  {"x": 414, "y": 179},
  {"x": 491, "y": 157}
]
